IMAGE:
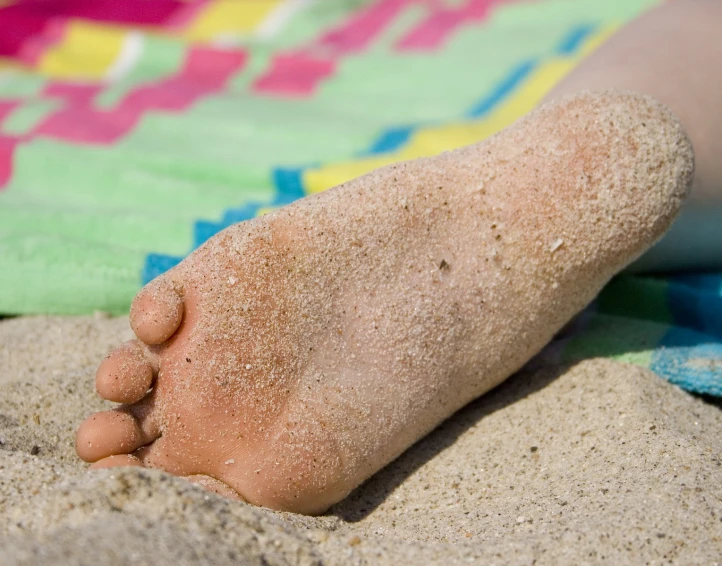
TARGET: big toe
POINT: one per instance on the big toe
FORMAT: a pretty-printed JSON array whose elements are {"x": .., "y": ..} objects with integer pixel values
[
  {"x": 156, "y": 312},
  {"x": 125, "y": 375}
]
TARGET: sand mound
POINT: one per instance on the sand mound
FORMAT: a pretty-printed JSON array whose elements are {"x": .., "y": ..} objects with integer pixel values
[{"x": 601, "y": 462}]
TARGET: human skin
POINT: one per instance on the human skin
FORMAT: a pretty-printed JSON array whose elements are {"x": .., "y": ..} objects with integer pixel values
[
  {"x": 292, "y": 356},
  {"x": 674, "y": 54}
]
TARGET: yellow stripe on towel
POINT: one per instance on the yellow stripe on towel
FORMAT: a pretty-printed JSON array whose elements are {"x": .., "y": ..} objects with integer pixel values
[
  {"x": 86, "y": 51},
  {"x": 431, "y": 140},
  {"x": 222, "y": 17}
]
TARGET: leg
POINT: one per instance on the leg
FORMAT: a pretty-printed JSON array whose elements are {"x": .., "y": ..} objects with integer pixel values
[
  {"x": 673, "y": 53},
  {"x": 294, "y": 355}
]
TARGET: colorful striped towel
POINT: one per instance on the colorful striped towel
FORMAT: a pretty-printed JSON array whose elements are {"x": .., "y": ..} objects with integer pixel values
[{"x": 132, "y": 131}]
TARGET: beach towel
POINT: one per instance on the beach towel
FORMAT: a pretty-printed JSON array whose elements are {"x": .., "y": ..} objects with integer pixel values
[{"x": 131, "y": 132}]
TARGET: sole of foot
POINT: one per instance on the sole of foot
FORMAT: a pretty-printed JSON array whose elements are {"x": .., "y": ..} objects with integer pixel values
[{"x": 294, "y": 355}]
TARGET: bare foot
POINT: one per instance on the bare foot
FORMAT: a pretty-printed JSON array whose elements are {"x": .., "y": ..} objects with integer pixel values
[{"x": 292, "y": 356}]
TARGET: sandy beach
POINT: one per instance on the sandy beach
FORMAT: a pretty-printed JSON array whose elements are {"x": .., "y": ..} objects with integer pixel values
[{"x": 597, "y": 463}]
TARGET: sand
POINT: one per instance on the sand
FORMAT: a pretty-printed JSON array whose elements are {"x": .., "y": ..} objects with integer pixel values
[{"x": 597, "y": 463}]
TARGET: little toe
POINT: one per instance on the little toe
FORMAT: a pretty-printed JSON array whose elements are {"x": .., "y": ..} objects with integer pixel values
[
  {"x": 125, "y": 375},
  {"x": 165, "y": 454},
  {"x": 214, "y": 485},
  {"x": 117, "y": 461},
  {"x": 113, "y": 432},
  {"x": 156, "y": 312}
]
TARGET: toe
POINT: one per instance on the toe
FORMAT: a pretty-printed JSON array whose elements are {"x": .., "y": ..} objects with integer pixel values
[
  {"x": 111, "y": 433},
  {"x": 120, "y": 460},
  {"x": 214, "y": 485},
  {"x": 168, "y": 455},
  {"x": 125, "y": 375},
  {"x": 156, "y": 312}
]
